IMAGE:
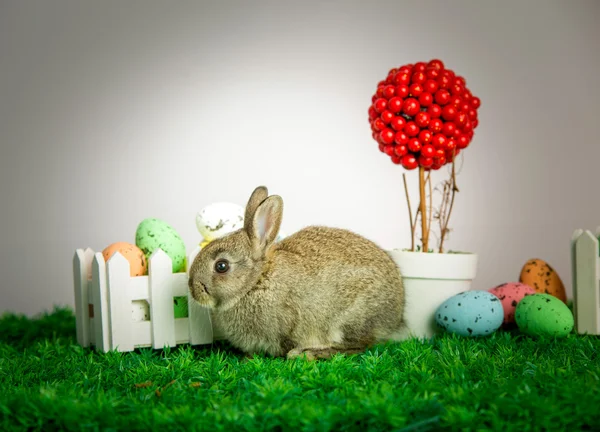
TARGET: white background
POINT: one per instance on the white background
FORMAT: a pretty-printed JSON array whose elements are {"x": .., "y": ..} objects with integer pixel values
[{"x": 114, "y": 111}]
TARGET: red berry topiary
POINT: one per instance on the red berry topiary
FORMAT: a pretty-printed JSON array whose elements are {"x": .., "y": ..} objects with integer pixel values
[{"x": 423, "y": 115}]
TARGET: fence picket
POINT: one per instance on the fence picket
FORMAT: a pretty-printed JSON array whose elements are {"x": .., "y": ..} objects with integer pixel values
[
  {"x": 82, "y": 261},
  {"x": 162, "y": 314},
  {"x": 100, "y": 304},
  {"x": 118, "y": 276},
  {"x": 586, "y": 286}
]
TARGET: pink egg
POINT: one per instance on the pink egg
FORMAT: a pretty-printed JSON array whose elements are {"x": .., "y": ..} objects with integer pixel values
[{"x": 510, "y": 294}]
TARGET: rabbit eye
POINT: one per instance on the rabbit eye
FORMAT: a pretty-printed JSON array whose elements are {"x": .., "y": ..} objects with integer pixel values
[{"x": 221, "y": 266}]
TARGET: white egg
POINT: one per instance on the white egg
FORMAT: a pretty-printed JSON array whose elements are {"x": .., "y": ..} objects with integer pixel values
[{"x": 218, "y": 219}]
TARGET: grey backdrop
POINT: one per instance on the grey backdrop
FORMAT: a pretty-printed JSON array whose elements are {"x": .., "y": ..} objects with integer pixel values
[{"x": 114, "y": 111}]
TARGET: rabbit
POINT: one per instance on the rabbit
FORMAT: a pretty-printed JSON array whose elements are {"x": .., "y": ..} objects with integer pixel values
[{"x": 317, "y": 292}]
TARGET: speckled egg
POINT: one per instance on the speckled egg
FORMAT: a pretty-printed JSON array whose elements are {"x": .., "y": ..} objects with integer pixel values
[
  {"x": 544, "y": 315},
  {"x": 471, "y": 313},
  {"x": 153, "y": 233},
  {"x": 218, "y": 219},
  {"x": 539, "y": 275},
  {"x": 510, "y": 294},
  {"x": 138, "y": 265}
]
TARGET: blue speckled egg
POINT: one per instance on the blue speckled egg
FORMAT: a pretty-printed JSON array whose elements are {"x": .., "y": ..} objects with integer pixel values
[{"x": 471, "y": 313}]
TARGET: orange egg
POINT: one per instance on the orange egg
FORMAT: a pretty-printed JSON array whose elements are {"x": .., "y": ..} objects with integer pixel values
[
  {"x": 138, "y": 266},
  {"x": 540, "y": 275}
]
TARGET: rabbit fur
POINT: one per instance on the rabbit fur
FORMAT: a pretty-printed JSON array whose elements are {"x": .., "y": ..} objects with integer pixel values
[{"x": 317, "y": 292}]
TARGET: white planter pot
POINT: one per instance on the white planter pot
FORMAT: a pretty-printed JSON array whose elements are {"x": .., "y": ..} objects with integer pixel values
[{"x": 430, "y": 279}]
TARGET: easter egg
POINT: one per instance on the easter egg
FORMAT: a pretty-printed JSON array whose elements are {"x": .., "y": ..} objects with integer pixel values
[
  {"x": 181, "y": 306},
  {"x": 470, "y": 313},
  {"x": 153, "y": 233},
  {"x": 140, "y": 310},
  {"x": 138, "y": 265},
  {"x": 540, "y": 276},
  {"x": 218, "y": 219},
  {"x": 510, "y": 294},
  {"x": 544, "y": 315}
]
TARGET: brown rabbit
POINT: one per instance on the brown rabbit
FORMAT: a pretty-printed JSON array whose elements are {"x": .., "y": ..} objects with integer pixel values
[{"x": 317, "y": 292}]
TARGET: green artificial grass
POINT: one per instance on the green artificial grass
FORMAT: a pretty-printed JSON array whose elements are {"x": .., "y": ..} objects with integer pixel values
[{"x": 507, "y": 382}]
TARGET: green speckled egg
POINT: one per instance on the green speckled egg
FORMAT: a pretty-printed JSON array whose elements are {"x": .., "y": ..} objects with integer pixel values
[
  {"x": 544, "y": 315},
  {"x": 153, "y": 233},
  {"x": 181, "y": 306}
]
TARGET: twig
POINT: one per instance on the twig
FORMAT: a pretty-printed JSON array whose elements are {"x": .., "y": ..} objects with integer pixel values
[
  {"x": 454, "y": 190},
  {"x": 428, "y": 181},
  {"x": 412, "y": 226},
  {"x": 422, "y": 205}
]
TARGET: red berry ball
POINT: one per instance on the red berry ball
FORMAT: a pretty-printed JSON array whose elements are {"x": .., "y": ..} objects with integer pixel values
[
  {"x": 434, "y": 111},
  {"x": 402, "y": 91},
  {"x": 448, "y": 129},
  {"x": 378, "y": 124},
  {"x": 441, "y": 160},
  {"x": 432, "y": 73},
  {"x": 450, "y": 146},
  {"x": 428, "y": 150},
  {"x": 468, "y": 127},
  {"x": 436, "y": 64},
  {"x": 425, "y": 136},
  {"x": 435, "y": 125},
  {"x": 388, "y": 149},
  {"x": 380, "y": 105},
  {"x": 420, "y": 67},
  {"x": 439, "y": 141},
  {"x": 435, "y": 166},
  {"x": 406, "y": 68},
  {"x": 425, "y": 162},
  {"x": 422, "y": 119},
  {"x": 401, "y": 138},
  {"x": 400, "y": 149},
  {"x": 449, "y": 112},
  {"x": 458, "y": 80},
  {"x": 396, "y": 159},
  {"x": 431, "y": 86},
  {"x": 387, "y": 136},
  {"x": 456, "y": 89},
  {"x": 475, "y": 102},
  {"x": 374, "y": 98},
  {"x": 372, "y": 113},
  {"x": 475, "y": 123},
  {"x": 426, "y": 99},
  {"x": 414, "y": 145},
  {"x": 443, "y": 81},
  {"x": 402, "y": 77},
  {"x": 462, "y": 141},
  {"x": 472, "y": 114},
  {"x": 467, "y": 95},
  {"x": 398, "y": 123},
  {"x": 394, "y": 104},
  {"x": 416, "y": 89},
  {"x": 442, "y": 97},
  {"x": 409, "y": 161},
  {"x": 410, "y": 106},
  {"x": 387, "y": 116},
  {"x": 411, "y": 129},
  {"x": 418, "y": 77},
  {"x": 456, "y": 101},
  {"x": 389, "y": 91},
  {"x": 381, "y": 147},
  {"x": 460, "y": 119}
]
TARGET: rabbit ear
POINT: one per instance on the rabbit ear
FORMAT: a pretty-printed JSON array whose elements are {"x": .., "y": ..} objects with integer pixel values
[
  {"x": 259, "y": 195},
  {"x": 265, "y": 224}
]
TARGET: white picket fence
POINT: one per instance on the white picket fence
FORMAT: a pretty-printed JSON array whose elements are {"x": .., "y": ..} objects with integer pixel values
[
  {"x": 107, "y": 289},
  {"x": 585, "y": 267}
]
